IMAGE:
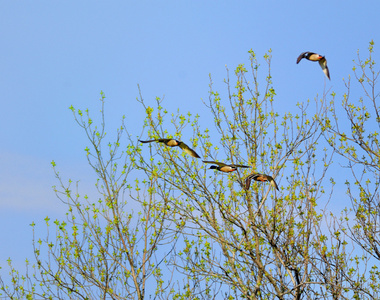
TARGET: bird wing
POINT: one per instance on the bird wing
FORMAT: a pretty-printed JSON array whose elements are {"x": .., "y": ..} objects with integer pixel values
[
  {"x": 247, "y": 181},
  {"x": 220, "y": 164},
  {"x": 239, "y": 166},
  {"x": 302, "y": 55},
  {"x": 245, "y": 184},
  {"x": 163, "y": 140},
  {"x": 272, "y": 182},
  {"x": 147, "y": 141},
  {"x": 188, "y": 150},
  {"x": 325, "y": 69}
]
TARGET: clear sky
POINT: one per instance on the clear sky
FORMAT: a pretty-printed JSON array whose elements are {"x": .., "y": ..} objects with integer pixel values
[{"x": 55, "y": 54}]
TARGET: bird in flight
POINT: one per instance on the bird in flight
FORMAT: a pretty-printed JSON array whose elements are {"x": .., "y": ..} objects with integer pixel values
[
  {"x": 175, "y": 143},
  {"x": 258, "y": 177},
  {"x": 224, "y": 167},
  {"x": 316, "y": 57}
]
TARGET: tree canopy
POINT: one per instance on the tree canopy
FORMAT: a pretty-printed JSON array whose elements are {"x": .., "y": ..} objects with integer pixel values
[{"x": 249, "y": 218}]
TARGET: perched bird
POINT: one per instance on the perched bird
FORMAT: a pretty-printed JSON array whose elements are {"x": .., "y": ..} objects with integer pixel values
[
  {"x": 224, "y": 167},
  {"x": 316, "y": 57},
  {"x": 257, "y": 177},
  {"x": 175, "y": 143}
]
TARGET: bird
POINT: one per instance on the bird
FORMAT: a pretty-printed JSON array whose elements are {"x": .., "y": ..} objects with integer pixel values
[
  {"x": 258, "y": 177},
  {"x": 316, "y": 57},
  {"x": 224, "y": 167},
  {"x": 175, "y": 143}
]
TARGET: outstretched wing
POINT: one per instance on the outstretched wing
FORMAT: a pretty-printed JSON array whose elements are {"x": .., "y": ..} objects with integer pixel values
[
  {"x": 220, "y": 164},
  {"x": 147, "y": 141},
  {"x": 244, "y": 184},
  {"x": 301, "y": 56},
  {"x": 247, "y": 181},
  {"x": 239, "y": 166},
  {"x": 167, "y": 142},
  {"x": 325, "y": 69},
  {"x": 272, "y": 182},
  {"x": 188, "y": 150}
]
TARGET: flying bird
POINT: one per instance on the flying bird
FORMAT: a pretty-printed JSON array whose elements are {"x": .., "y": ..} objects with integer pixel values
[
  {"x": 316, "y": 57},
  {"x": 224, "y": 167},
  {"x": 175, "y": 143},
  {"x": 258, "y": 177}
]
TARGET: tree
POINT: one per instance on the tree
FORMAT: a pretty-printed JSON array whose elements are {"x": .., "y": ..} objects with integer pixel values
[
  {"x": 356, "y": 141},
  {"x": 196, "y": 233},
  {"x": 104, "y": 249},
  {"x": 259, "y": 243}
]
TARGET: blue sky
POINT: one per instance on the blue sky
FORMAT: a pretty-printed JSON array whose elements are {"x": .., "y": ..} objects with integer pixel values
[{"x": 57, "y": 54}]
